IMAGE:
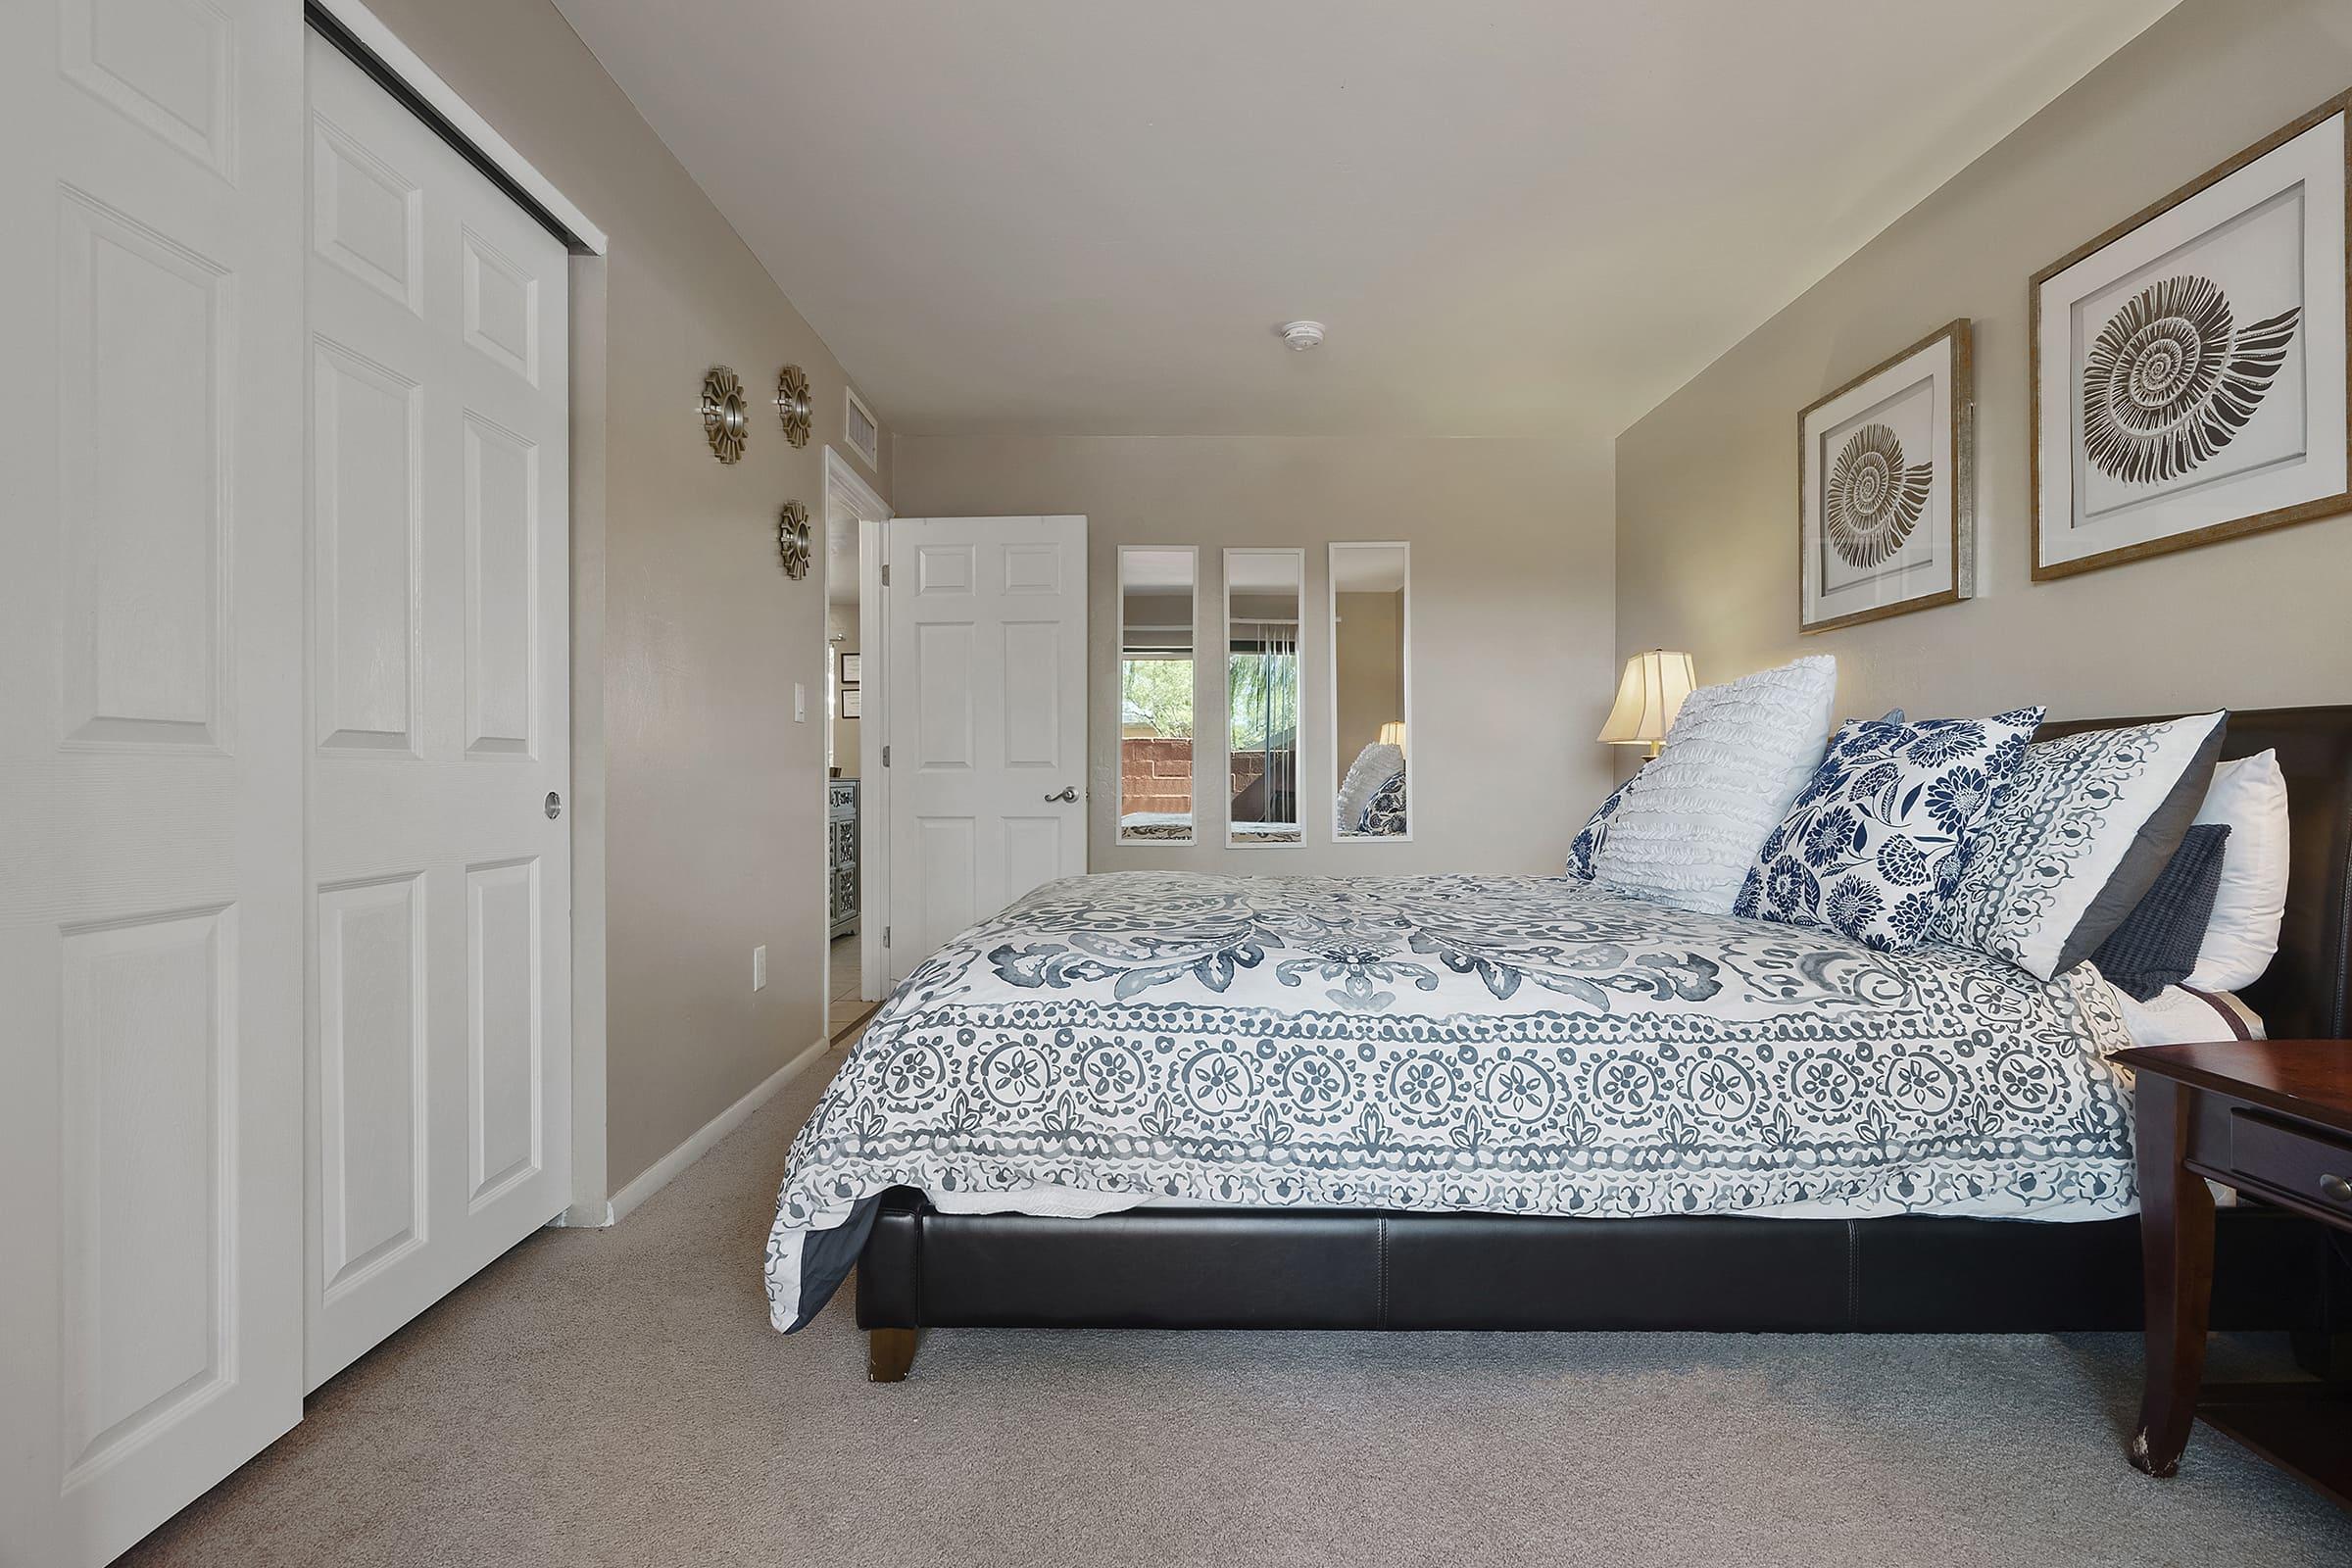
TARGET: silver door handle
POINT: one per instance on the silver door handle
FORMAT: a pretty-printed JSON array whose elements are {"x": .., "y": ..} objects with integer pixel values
[
  {"x": 555, "y": 805},
  {"x": 2335, "y": 1189},
  {"x": 1068, "y": 792}
]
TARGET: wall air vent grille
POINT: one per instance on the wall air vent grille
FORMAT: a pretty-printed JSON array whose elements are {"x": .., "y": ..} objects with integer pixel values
[{"x": 864, "y": 431}]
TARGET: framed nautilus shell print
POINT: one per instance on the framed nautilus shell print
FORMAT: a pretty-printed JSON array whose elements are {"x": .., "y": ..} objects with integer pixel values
[
  {"x": 1886, "y": 488},
  {"x": 2189, "y": 363}
]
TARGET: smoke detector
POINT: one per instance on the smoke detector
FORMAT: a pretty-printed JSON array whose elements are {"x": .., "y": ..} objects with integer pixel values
[{"x": 1302, "y": 335}]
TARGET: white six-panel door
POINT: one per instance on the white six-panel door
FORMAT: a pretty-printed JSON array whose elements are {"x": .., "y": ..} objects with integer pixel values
[
  {"x": 986, "y": 621},
  {"x": 151, "y": 909},
  {"x": 439, "y": 718}
]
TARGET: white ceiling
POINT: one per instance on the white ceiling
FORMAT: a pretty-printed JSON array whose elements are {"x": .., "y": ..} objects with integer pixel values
[{"x": 1515, "y": 215}]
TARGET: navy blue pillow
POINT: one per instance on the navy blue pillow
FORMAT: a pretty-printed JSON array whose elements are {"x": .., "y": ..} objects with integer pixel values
[{"x": 2157, "y": 944}]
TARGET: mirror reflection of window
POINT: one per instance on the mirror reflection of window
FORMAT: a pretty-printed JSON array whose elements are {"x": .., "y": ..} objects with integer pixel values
[
  {"x": 1155, "y": 694},
  {"x": 1370, "y": 645},
  {"x": 1264, "y": 593}
]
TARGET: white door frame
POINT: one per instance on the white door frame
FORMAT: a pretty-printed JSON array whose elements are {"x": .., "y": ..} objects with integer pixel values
[
  {"x": 846, "y": 488},
  {"x": 357, "y": 30}
]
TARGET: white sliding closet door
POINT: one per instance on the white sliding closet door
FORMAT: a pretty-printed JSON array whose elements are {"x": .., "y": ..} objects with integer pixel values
[
  {"x": 151, "y": 909},
  {"x": 439, "y": 703}
]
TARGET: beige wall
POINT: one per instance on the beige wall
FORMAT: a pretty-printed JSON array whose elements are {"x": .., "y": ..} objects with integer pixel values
[
  {"x": 1368, "y": 646},
  {"x": 1706, "y": 484},
  {"x": 713, "y": 797},
  {"x": 1511, "y": 614}
]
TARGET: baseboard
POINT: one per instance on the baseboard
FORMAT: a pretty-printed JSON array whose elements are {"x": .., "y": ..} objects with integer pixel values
[{"x": 662, "y": 1171}]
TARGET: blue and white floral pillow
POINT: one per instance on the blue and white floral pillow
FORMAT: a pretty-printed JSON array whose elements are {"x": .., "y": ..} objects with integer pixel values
[
  {"x": 1384, "y": 812},
  {"x": 1580, "y": 848},
  {"x": 1874, "y": 846}
]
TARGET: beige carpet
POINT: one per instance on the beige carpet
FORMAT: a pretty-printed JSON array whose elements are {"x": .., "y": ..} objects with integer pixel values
[{"x": 616, "y": 1397}]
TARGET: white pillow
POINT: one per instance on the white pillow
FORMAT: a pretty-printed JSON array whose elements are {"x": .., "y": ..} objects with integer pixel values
[
  {"x": 2076, "y": 837},
  {"x": 2249, "y": 794},
  {"x": 1373, "y": 766},
  {"x": 1701, "y": 810}
]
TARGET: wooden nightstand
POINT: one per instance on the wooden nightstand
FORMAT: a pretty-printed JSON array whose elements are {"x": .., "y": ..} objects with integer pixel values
[{"x": 2272, "y": 1118}]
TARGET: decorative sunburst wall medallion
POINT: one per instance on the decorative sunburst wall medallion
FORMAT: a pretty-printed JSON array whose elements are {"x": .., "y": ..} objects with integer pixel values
[
  {"x": 793, "y": 405},
  {"x": 2170, "y": 380},
  {"x": 1873, "y": 501},
  {"x": 726, "y": 417},
  {"x": 2190, "y": 365},
  {"x": 792, "y": 539}
]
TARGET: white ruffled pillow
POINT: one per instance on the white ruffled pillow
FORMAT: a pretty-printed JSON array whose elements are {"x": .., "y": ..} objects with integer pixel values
[{"x": 1698, "y": 812}]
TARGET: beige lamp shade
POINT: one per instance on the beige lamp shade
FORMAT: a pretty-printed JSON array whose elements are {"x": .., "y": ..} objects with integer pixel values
[
  {"x": 1392, "y": 733},
  {"x": 1648, "y": 698}
]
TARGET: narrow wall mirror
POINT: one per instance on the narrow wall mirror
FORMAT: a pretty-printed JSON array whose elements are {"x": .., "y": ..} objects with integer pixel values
[
  {"x": 1371, "y": 650},
  {"x": 1155, "y": 693},
  {"x": 1264, "y": 591}
]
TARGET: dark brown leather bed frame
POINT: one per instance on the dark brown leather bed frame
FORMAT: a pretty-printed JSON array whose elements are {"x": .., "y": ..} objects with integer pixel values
[{"x": 1361, "y": 1269}]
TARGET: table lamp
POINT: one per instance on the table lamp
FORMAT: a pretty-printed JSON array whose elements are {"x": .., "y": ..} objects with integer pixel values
[{"x": 1648, "y": 698}]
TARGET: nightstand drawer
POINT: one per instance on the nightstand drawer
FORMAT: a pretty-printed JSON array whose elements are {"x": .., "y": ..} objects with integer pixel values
[{"x": 2314, "y": 1166}]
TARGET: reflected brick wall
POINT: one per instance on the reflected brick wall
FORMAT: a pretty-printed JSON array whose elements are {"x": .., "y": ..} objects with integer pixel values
[{"x": 1156, "y": 775}]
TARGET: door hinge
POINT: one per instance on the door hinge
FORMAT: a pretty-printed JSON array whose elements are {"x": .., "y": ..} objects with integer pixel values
[
  {"x": 885, "y": 757},
  {"x": 886, "y": 935}
]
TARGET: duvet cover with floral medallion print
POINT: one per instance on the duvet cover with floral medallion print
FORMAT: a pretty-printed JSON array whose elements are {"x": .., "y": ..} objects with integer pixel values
[{"x": 1505, "y": 1044}]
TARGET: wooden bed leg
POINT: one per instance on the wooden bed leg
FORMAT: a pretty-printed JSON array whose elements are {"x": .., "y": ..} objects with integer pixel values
[{"x": 888, "y": 1353}]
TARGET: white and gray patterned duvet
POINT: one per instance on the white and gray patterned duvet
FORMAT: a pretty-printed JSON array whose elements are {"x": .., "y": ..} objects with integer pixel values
[{"x": 1522, "y": 1046}]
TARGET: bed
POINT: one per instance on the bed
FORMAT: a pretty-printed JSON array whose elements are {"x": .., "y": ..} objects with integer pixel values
[{"x": 1155, "y": 1100}]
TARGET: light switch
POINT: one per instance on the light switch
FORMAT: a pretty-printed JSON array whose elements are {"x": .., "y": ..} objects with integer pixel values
[
  {"x": 759, "y": 968},
  {"x": 800, "y": 703}
]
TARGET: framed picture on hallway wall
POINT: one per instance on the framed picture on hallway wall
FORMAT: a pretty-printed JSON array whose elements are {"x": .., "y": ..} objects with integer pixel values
[
  {"x": 2189, "y": 363},
  {"x": 1886, "y": 488}
]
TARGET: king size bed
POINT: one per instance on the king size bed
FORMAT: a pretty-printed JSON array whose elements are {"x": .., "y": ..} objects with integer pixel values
[{"x": 1190, "y": 1102}]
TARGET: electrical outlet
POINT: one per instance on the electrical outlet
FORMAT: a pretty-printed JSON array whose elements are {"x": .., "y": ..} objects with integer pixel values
[
  {"x": 759, "y": 968},
  {"x": 800, "y": 703}
]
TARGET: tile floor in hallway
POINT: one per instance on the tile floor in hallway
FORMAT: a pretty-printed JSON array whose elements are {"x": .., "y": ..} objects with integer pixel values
[{"x": 843, "y": 1006}]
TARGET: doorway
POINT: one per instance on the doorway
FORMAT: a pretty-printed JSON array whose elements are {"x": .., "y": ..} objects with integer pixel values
[{"x": 853, "y": 519}]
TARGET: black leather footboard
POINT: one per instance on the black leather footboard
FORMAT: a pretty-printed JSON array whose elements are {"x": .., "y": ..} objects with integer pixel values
[{"x": 1340, "y": 1270}]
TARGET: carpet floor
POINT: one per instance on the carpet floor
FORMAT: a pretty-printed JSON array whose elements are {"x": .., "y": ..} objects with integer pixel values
[{"x": 616, "y": 1397}]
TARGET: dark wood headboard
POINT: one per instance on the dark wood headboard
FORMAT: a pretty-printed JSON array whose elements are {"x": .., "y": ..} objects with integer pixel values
[{"x": 2307, "y": 992}]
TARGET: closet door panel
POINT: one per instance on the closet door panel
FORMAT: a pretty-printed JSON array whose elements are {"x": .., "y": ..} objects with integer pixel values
[
  {"x": 440, "y": 705},
  {"x": 150, "y": 758}
]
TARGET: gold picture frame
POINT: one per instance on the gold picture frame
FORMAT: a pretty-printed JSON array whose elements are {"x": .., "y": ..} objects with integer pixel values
[
  {"x": 2324, "y": 380},
  {"x": 1884, "y": 529}
]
